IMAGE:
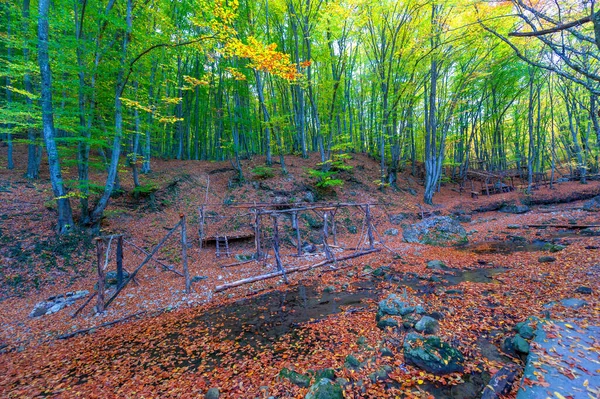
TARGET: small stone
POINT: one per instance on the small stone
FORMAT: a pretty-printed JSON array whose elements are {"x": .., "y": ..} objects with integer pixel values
[
  {"x": 212, "y": 393},
  {"x": 195, "y": 279},
  {"x": 437, "y": 315},
  {"x": 525, "y": 328},
  {"x": 391, "y": 232},
  {"x": 427, "y": 325},
  {"x": 381, "y": 271},
  {"x": 520, "y": 344},
  {"x": 513, "y": 226},
  {"x": 546, "y": 259},
  {"x": 573, "y": 303},
  {"x": 381, "y": 374},
  {"x": 553, "y": 247},
  {"x": 584, "y": 290},
  {"x": 386, "y": 352},
  {"x": 515, "y": 209},
  {"x": 329, "y": 289},
  {"x": 352, "y": 362},
  {"x": 420, "y": 309},
  {"x": 436, "y": 265},
  {"x": 387, "y": 322}
]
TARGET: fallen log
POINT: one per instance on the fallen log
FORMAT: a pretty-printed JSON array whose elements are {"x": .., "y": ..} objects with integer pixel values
[
  {"x": 84, "y": 304},
  {"x": 292, "y": 270},
  {"x": 564, "y": 226},
  {"x": 166, "y": 267},
  {"x": 238, "y": 263},
  {"x": 110, "y": 323}
]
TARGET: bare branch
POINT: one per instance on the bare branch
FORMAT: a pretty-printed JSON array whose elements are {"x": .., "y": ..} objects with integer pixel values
[{"x": 555, "y": 29}]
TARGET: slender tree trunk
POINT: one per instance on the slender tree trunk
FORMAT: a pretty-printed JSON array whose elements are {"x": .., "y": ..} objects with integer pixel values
[
  {"x": 530, "y": 125},
  {"x": 10, "y": 163},
  {"x": 65, "y": 216},
  {"x": 96, "y": 215},
  {"x": 33, "y": 149},
  {"x": 266, "y": 118}
]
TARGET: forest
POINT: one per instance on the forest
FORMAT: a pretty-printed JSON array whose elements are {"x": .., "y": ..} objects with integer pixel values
[{"x": 392, "y": 198}]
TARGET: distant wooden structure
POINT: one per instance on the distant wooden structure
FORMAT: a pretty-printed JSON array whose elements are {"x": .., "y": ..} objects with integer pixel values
[{"x": 269, "y": 215}]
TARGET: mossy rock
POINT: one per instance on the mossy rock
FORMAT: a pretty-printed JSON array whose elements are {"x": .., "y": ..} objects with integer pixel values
[
  {"x": 432, "y": 354},
  {"x": 325, "y": 389},
  {"x": 301, "y": 380}
]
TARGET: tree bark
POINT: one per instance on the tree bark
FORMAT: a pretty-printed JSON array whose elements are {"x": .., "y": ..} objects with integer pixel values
[{"x": 65, "y": 215}]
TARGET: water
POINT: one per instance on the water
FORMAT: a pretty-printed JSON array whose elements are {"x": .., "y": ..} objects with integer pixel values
[{"x": 513, "y": 244}]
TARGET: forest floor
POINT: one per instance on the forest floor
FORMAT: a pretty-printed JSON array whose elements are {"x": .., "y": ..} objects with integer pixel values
[{"x": 239, "y": 340}]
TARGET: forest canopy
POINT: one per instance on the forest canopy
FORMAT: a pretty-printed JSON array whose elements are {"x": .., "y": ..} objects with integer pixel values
[{"x": 437, "y": 86}]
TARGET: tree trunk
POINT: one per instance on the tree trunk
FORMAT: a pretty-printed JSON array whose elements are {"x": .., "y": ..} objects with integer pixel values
[
  {"x": 65, "y": 216},
  {"x": 33, "y": 149},
  {"x": 116, "y": 148}
]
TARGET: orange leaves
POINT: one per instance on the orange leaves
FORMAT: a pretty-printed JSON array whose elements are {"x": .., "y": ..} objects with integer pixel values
[{"x": 264, "y": 58}]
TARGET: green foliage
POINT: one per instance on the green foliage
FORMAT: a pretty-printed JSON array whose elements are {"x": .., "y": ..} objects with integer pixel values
[
  {"x": 325, "y": 179},
  {"x": 262, "y": 172},
  {"x": 144, "y": 190}
]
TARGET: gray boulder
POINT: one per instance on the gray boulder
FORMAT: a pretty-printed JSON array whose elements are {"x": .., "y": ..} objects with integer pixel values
[
  {"x": 437, "y": 265},
  {"x": 57, "y": 303},
  {"x": 432, "y": 354},
  {"x": 212, "y": 393},
  {"x": 325, "y": 389},
  {"x": 573, "y": 303},
  {"x": 427, "y": 325},
  {"x": 590, "y": 232},
  {"x": 592, "y": 205},
  {"x": 391, "y": 232},
  {"x": 399, "y": 218},
  {"x": 584, "y": 290},
  {"x": 111, "y": 277},
  {"x": 513, "y": 208},
  {"x": 387, "y": 322},
  {"x": 301, "y": 380},
  {"x": 393, "y": 306},
  {"x": 438, "y": 230},
  {"x": 501, "y": 383},
  {"x": 520, "y": 344}
]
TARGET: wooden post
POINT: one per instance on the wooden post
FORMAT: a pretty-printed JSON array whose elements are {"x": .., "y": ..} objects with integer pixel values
[
  {"x": 326, "y": 248},
  {"x": 369, "y": 226},
  {"x": 146, "y": 260},
  {"x": 100, "y": 266},
  {"x": 333, "y": 228},
  {"x": 276, "y": 247},
  {"x": 257, "y": 244},
  {"x": 186, "y": 273},
  {"x": 296, "y": 224},
  {"x": 201, "y": 226},
  {"x": 119, "y": 261}
]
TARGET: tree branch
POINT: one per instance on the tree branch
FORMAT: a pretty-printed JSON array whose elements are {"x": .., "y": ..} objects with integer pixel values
[
  {"x": 555, "y": 29},
  {"x": 154, "y": 47}
]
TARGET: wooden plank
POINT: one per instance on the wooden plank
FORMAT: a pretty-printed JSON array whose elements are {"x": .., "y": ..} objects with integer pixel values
[
  {"x": 289, "y": 271},
  {"x": 565, "y": 226},
  {"x": 146, "y": 260}
]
